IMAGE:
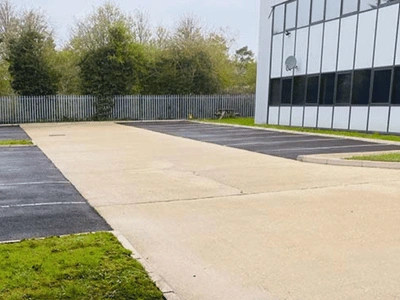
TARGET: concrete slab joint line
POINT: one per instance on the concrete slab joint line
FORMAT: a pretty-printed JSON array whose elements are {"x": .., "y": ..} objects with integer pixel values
[{"x": 160, "y": 282}]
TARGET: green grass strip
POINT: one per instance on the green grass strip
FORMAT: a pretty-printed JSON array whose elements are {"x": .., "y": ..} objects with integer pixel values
[
  {"x": 388, "y": 157},
  {"x": 93, "y": 266},
  {"x": 250, "y": 122},
  {"x": 15, "y": 142}
]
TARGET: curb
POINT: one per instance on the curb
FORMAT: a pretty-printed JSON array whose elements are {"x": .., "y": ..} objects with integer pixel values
[
  {"x": 160, "y": 282},
  {"x": 349, "y": 163}
]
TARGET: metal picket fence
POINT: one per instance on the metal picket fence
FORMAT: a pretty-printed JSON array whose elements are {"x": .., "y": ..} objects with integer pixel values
[{"x": 59, "y": 108}]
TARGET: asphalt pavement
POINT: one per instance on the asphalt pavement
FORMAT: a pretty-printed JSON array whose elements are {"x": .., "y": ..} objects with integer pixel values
[
  {"x": 281, "y": 144},
  {"x": 36, "y": 200},
  {"x": 12, "y": 133}
]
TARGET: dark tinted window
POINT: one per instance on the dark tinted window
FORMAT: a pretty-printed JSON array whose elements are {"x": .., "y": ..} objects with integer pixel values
[
  {"x": 286, "y": 91},
  {"x": 343, "y": 86},
  {"x": 381, "y": 90},
  {"x": 396, "y": 86},
  {"x": 299, "y": 90},
  {"x": 275, "y": 92},
  {"x": 312, "y": 89},
  {"x": 361, "y": 86},
  {"x": 327, "y": 88}
]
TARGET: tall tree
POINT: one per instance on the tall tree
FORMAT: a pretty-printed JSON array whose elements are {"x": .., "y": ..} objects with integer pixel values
[
  {"x": 191, "y": 60},
  {"x": 245, "y": 72},
  {"x": 66, "y": 64},
  {"x": 30, "y": 70},
  {"x": 92, "y": 32},
  {"x": 112, "y": 69},
  {"x": 142, "y": 28}
]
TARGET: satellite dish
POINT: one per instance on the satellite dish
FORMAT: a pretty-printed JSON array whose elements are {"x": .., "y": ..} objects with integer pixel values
[{"x": 291, "y": 63}]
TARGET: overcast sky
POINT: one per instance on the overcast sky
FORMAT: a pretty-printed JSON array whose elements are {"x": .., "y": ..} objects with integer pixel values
[{"x": 240, "y": 16}]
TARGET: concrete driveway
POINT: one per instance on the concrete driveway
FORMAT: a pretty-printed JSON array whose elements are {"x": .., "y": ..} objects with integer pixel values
[{"x": 222, "y": 223}]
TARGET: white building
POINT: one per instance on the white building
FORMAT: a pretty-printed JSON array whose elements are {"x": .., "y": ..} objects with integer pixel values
[{"x": 345, "y": 73}]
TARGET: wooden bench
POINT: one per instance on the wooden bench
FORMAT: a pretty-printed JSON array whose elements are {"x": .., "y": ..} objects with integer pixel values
[{"x": 226, "y": 113}]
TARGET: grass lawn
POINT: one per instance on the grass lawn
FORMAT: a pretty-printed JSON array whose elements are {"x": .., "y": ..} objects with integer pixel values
[
  {"x": 388, "y": 157},
  {"x": 250, "y": 122},
  {"x": 15, "y": 142},
  {"x": 93, "y": 266}
]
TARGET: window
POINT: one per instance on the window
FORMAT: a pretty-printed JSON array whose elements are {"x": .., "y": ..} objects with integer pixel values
[
  {"x": 327, "y": 89},
  {"x": 286, "y": 91},
  {"x": 279, "y": 13},
  {"x": 361, "y": 87},
  {"x": 317, "y": 12},
  {"x": 381, "y": 90},
  {"x": 303, "y": 18},
  {"x": 299, "y": 90},
  {"x": 291, "y": 15},
  {"x": 368, "y": 4},
  {"x": 312, "y": 90},
  {"x": 332, "y": 9},
  {"x": 343, "y": 86},
  {"x": 349, "y": 6},
  {"x": 275, "y": 92},
  {"x": 396, "y": 86}
]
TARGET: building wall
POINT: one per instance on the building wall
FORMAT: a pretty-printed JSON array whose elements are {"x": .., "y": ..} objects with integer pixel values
[{"x": 348, "y": 64}]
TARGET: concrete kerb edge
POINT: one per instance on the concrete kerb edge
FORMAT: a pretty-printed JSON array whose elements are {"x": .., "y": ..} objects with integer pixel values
[
  {"x": 160, "y": 282},
  {"x": 302, "y": 133},
  {"x": 342, "y": 161}
]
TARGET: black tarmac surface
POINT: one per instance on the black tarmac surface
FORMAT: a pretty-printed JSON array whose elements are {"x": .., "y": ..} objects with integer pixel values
[
  {"x": 12, "y": 133},
  {"x": 35, "y": 198},
  {"x": 286, "y": 145}
]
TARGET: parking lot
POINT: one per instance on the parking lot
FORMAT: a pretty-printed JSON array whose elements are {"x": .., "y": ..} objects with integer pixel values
[
  {"x": 36, "y": 200},
  {"x": 12, "y": 133},
  {"x": 281, "y": 144}
]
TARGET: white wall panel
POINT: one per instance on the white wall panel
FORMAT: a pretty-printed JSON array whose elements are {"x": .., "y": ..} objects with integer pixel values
[
  {"x": 301, "y": 51},
  {"x": 325, "y": 117},
  {"x": 288, "y": 51},
  {"x": 359, "y": 118},
  {"x": 310, "y": 116},
  {"x": 378, "y": 118},
  {"x": 398, "y": 47},
  {"x": 386, "y": 35},
  {"x": 314, "y": 53},
  {"x": 347, "y": 43},
  {"x": 341, "y": 117},
  {"x": 303, "y": 13},
  {"x": 276, "y": 65},
  {"x": 263, "y": 64},
  {"x": 297, "y": 116},
  {"x": 284, "y": 118},
  {"x": 365, "y": 39},
  {"x": 273, "y": 115},
  {"x": 395, "y": 120},
  {"x": 331, "y": 38}
]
